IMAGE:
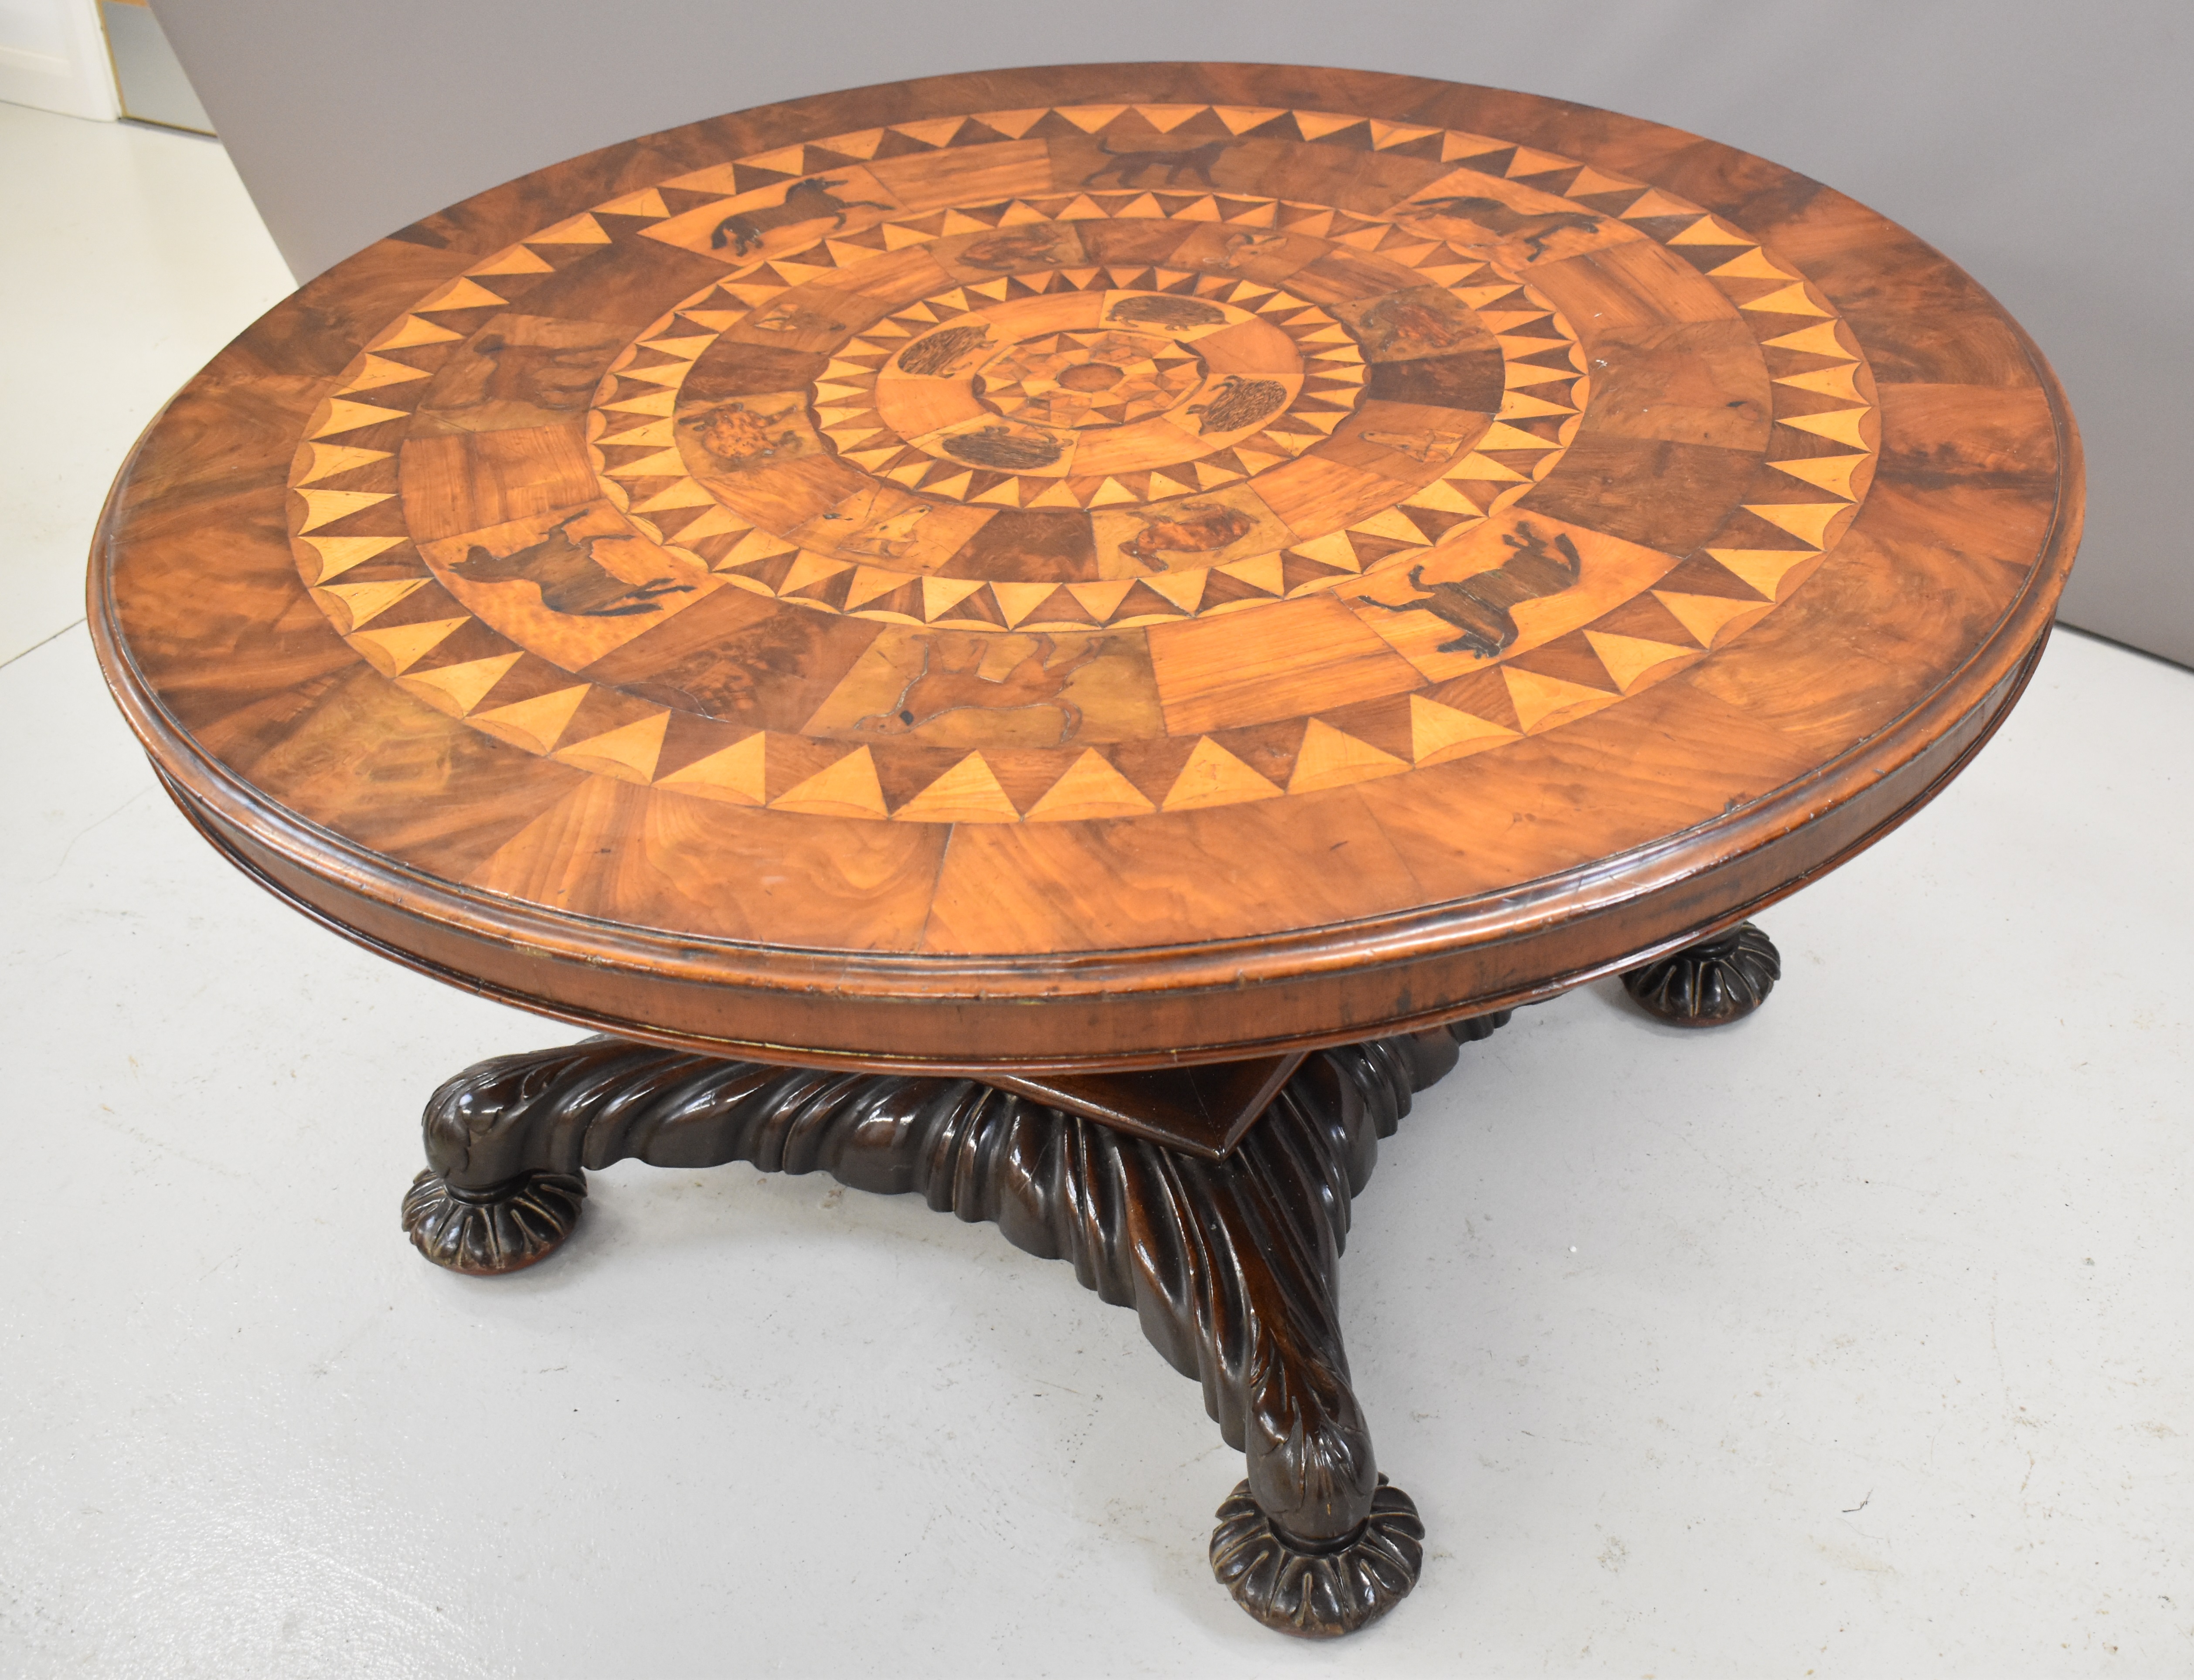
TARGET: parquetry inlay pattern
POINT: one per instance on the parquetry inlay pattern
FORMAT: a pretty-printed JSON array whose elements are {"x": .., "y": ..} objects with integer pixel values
[{"x": 1097, "y": 481}]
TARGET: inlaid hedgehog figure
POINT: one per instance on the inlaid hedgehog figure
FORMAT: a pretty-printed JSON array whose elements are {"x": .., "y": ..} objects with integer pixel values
[{"x": 1237, "y": 403}]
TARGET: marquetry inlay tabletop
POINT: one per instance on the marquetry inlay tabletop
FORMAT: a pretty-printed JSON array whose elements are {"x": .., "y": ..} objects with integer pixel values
[{"x": 916, "y": 571}]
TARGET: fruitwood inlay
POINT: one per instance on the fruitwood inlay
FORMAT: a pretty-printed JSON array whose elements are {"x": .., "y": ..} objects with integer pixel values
[{"x": 1260, "y": 547}]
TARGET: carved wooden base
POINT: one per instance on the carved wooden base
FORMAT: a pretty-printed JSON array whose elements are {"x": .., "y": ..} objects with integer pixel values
[
  {"x": 1230, "y": 1264},
  {"x": 1716, "y": 981}
]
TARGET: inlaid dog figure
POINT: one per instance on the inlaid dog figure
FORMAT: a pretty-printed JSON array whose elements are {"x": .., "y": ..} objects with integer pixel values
[
  {"x": 809, "y": 200},
  {"x": 1478, "y": 606},
  {"x": 1128, "y": 168},
  {"x": 569, "y": 577}
]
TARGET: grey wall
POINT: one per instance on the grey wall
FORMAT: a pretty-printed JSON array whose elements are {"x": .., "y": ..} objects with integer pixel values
[{"x": 2046, "y": 146}]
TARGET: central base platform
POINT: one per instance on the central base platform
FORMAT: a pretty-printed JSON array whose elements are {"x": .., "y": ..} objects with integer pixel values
[{"x": 1202, "y": 1110}]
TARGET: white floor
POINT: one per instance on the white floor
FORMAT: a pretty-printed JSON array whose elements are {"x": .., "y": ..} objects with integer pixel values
[{"x": 1850, "y": 1341}]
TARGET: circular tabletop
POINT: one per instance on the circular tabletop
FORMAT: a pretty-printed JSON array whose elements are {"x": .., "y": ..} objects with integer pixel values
[{"x": 1083, "y": 566}]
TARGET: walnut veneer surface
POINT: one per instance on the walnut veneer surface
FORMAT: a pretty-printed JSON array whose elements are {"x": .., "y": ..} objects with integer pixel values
[{"x": 1089, "y": 566}]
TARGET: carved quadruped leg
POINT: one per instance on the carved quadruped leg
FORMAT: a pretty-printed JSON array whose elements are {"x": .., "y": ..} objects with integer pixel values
[
  {"x": 1716, "y": 981},
  {"x": 1230, "y": 1265},
  {"x": 502, "y": 1187}
]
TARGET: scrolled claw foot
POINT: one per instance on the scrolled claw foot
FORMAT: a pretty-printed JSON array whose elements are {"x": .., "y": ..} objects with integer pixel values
[
  {"x": 1716, "y": 981},
  {"x": 1319, "y": 1592},
  {"x": 487, "y": 1232}
]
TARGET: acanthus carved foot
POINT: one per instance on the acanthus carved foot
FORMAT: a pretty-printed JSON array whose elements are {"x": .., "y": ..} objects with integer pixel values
[
  {"x": 1319, "y": 1592},
  {"x": 1230, "y": 1264},
  {"x": 1716, "y": 981}
]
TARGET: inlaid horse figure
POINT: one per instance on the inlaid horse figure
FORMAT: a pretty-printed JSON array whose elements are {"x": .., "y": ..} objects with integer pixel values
[{"x": 1478, "y": 606}]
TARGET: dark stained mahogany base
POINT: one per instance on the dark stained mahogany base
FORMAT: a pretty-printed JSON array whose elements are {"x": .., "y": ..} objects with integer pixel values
[
  {"x": 1714, "y": 981},
  {"x": 1230, "y": 1262}
]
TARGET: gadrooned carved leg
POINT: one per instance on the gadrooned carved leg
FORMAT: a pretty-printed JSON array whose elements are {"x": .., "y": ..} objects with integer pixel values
[
  {"x": 1716, "y": 981},
  {"x": 1231, "y": 1265}
]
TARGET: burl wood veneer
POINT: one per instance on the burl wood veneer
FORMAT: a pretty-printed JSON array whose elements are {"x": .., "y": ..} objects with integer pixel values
[{"x": 981, "y": 628}]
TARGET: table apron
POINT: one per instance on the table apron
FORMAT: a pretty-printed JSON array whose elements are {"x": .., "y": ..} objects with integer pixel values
[{"x": 1097, "y": 1030}]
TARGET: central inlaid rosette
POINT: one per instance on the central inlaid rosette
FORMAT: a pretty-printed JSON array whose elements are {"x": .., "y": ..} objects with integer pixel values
[
  {"x": 1089, "y": 383},
  {"x": 1088, "y": 379}
]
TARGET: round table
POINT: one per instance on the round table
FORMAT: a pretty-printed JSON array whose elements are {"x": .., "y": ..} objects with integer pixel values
[{"x": 1060, "y": 638}]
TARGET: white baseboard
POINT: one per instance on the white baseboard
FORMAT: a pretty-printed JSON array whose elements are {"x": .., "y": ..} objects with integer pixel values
[{"x": 77, "y": 81}]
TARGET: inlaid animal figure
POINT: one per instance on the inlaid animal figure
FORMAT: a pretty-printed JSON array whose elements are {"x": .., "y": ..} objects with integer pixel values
[
  {"x": 1403, "y": 324},
  {"x": 1177, "y": 313},
  {"x": 1534, "y": 229},
  {"x": 889, "y": 538},
  {"x": 807, "y": 200},
  {"x": 571, "y": 579},
  {"x": 791, "y": 318},
  {"x": 1238, "y": 402},
  {"x": 1128, "y": 168},
  {"x": 1001, "y": 447},
  {"x": 950, "y": 679},
  {"x": 1425, "y": 446},
  {"x": 1014, "y": 248},
  {"x": 1478, "y": 606},
  {"x": 1197, "y": 528},
  {"x": 936, "y": 354},
  {"x": 736, "y": 434},
  {"x": 1239, "y": 245}
]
